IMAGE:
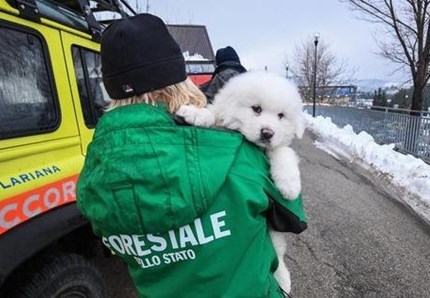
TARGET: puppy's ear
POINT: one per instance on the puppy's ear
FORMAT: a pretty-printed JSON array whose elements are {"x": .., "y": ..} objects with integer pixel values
[{"x": 300, "y": 126}]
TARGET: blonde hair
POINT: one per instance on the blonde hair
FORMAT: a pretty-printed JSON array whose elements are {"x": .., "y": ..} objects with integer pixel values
[{"x": 174, "y": 96}]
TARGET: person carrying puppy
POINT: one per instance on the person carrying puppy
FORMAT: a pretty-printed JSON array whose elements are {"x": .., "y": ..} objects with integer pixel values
[{"x": 184, "y": 207}]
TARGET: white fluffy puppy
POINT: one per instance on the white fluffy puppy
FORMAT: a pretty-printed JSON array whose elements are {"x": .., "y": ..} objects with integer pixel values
[{"x": 267, "y": 110}]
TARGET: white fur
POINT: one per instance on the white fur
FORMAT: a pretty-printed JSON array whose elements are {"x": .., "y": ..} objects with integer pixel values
[
  {"x": 282, "y": 274},
  {"x": 233, "y": 109}
]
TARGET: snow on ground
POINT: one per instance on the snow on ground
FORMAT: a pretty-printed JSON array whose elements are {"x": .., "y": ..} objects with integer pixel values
[{"x": 410, "y": 174}]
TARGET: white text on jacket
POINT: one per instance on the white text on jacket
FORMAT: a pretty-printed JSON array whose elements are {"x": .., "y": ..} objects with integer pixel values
[{"x": 152, "y": 250}]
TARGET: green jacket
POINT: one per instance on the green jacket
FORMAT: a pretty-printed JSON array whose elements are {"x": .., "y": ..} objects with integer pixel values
[{"x": 183, "y": 206}]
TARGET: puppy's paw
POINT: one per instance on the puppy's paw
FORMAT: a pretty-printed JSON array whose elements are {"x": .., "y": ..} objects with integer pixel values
[
  {"x": 196, "y": 116},
  {"x": 291, "y": 191},
  {"x": 289, "y": 188}
]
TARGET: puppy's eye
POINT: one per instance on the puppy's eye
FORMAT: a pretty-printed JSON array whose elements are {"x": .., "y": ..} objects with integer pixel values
[
  {"x": 281, "y": 115},
  {"x": 256, "y": 109}
]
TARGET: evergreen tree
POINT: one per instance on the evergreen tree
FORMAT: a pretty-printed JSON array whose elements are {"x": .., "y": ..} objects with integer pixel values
[
  {"x": 380, "y": 98},
  {"x": 375, "y": 98},
  {"x": 383, "y": 99},
  {"x": 402, "y": 98}
]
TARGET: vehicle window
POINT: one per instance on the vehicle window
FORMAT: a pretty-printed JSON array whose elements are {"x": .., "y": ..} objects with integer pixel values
[
  {"x": 27, "y": 103},
  {"x": 92, "y": 93}
]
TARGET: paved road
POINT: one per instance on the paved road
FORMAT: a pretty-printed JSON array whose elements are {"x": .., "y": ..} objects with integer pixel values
[{"x": 360, "y": 242}]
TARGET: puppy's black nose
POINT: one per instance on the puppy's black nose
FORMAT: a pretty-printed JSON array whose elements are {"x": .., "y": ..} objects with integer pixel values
[{"x": 266, "y": 134}]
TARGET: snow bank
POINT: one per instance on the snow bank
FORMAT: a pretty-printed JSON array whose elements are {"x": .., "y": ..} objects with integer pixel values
[{"x": 406, "y": 171}]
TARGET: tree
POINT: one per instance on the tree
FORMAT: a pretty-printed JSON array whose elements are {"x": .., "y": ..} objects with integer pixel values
[
  {"x": 407, "y": 23},
  {"x": 402, "y": 98},
  {"x": 380, "y": 98},
  {"x": 330, "y": 69}
]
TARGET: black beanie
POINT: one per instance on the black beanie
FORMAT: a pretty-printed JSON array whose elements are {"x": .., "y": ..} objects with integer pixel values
[
  {"x": 139, "y": 55},
  {"x": 227, "y": 54}
]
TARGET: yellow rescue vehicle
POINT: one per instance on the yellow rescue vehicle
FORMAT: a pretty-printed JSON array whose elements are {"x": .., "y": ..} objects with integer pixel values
[{"x": 51, "y": 97}]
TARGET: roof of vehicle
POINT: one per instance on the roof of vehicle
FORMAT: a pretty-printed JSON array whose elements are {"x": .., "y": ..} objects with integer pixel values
[{"x": 76, "y": 14}]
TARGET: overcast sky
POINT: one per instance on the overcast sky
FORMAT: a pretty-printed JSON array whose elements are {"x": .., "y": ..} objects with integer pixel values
[{"x": 266, "y": 32}]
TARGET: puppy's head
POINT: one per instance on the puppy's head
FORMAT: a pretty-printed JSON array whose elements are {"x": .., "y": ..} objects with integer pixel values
[{"x": 264, "y": 107}]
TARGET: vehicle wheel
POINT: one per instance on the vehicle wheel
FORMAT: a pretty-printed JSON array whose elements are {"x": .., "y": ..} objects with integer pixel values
[{"x": 63, "y": 276}]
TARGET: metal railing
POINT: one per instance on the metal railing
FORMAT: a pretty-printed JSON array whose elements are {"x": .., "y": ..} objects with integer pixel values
[{"x": 410, "y": 134}]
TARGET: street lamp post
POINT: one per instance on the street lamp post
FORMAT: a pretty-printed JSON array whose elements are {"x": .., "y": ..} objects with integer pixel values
[{"x": 317, "y": 35}]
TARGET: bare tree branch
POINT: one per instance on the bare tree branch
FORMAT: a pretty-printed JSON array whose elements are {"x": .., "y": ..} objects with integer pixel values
[
  {"x": 330, "y": 69},
  {"x": 408, "y": 25}
]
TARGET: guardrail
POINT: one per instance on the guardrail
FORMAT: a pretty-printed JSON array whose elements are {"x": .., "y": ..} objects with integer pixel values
[{"x": 410, "y": 134}]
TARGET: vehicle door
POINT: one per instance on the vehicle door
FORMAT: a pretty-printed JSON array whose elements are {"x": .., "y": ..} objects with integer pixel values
[
  {"x": 40, "y": 153},
  {"x": 89, "y": 95}
]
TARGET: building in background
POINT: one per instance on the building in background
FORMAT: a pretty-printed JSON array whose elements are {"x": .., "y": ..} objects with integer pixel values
[{"x": 197, "y": 50}]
